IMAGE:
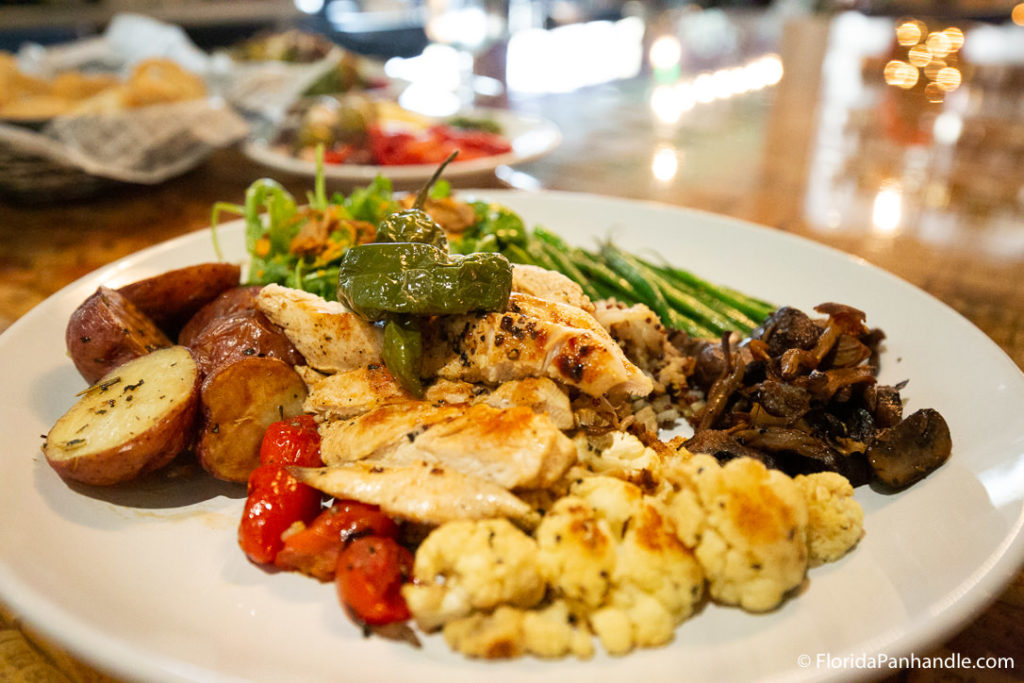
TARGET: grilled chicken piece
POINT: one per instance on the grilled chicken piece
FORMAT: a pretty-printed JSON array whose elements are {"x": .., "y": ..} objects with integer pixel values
[
  {"x": 329, "y": 336},
  {"x": 427, "y": 493},
  {"x": 447, "y": 391},
  {"x": 537, "y": 393},
  {"x": 512, "y": 447},
  {"x": 550, "y": 286},
  {"x": 534, "y": 338},
  {"x": 347, "y": 394},
  {"x": 381, "y": 430}
]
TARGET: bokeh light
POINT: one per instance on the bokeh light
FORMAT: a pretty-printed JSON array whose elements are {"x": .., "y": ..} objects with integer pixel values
[
  {"x": 665, "y": 52},
  {"x": 948, "y": 79},
  {"x": 909, "y": 33},
  {"x": 665, "y": 164},
  {"x": 919, "y": 55},
  {"x": 1017, "y": 14},
  {"x": 939, "y": 44},
  {"x": 956, "y": 38},
  {"x": 900, "y": 74}
]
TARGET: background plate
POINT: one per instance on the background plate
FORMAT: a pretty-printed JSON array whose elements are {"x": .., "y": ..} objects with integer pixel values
[
  {"x": 148, "y": 582},
  {"x": 530, "y": 136}
]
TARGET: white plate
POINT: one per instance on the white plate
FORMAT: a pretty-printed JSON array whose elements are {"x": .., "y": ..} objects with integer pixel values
[
  {"x": 151, "y": 584},
  {"x": 530, "y": 136}
]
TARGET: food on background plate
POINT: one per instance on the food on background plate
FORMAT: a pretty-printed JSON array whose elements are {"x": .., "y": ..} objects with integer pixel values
[
  {"x": 294, "y": 46},
  {"x": 151, "y": 81},
  {"x": 490, "y": 463},
  {"x": 355, "y": 129}
]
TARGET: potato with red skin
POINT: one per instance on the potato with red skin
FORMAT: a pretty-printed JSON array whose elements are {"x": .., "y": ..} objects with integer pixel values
[
  {"x": 369, "y": 578},
  {"x": 314, "y": 550},
  {"x": 170, "y": 299},
  {"x": 107, "y": 330},
  {"x": 246, "y": 334},
  {"x": 136, "y": 419},
  {"x": 238, "y": 401},
  {"x": 227, "y": 304}
]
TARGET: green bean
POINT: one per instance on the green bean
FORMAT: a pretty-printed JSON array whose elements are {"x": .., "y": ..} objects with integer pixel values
[
  {"x": 692, "y": 307},
  {"x": 569, "y": 269},
  {"x": 539, "y": 256},
  {"x": 545, "y": 235},
  {"x": 754, "y": 308},
  {"x": 651, "y": 292},
  {"x": 625, "y": 265},
  {"x": 516, "y": 254},
  {"x": 600, "y": 273}
]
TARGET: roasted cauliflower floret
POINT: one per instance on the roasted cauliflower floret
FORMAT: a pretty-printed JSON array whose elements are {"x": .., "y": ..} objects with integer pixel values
[
  {"x": 835, "y": 521},
  {"x": 751, "y": 528},
  {"x": 620, "y": 455},
  {"x": 469, "y": 565},
  {"x": 551, "y": 631},
  {"x": 613, "y": 551}
]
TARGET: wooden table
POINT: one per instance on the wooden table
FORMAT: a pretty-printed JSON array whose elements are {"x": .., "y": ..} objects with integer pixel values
[{"x": 933, "y": 192}]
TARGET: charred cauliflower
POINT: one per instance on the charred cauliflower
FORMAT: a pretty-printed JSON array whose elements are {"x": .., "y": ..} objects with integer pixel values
[
  {"x": 750, "y": 528},
  {"x": 611, "y": 550},
  {"x": 835, "y": 521},
  {"x": 548, "y": 632},
  {"x": 469, "y": 565}
]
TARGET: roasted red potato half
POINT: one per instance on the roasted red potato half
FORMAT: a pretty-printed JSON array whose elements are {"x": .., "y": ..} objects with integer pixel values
[
  {"x": 228, "y": 303},
  {"x": 238, "y": 401},
  {"x": 107, "y": 330},
  {"x": 172, "y": 298},
  {"x": 246, "y": 334},
  {"x": 136, "y": 419}
]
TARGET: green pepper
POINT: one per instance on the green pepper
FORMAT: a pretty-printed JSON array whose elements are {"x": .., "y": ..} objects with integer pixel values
[
  {"x": 419, "y": 279},
  {"x": 415, "y": 224},
  {"x": 412, "y": 225},
  {"x": 403, "y": 350}
]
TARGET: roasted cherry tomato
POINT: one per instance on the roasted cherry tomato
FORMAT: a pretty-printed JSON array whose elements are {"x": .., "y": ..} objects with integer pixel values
[
  {"x": 276, "y": 501},
  {"x": 315, "y": 549},
  {"x": 294, "y": 441},
  {"x": 370, "y": 574}
]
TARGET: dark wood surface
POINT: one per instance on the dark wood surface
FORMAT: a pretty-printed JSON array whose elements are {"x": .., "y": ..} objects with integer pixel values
[{"x": 769, "y": 156}]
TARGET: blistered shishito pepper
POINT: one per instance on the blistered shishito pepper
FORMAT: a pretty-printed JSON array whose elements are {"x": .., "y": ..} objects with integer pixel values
[
  {"x": 403, "y": 351},
  {"x": 412, "y": 225},
  {"x": 415, "y": 224},
  {"x": 418, "y": 279},
  {"x": 407, "y": 273}
]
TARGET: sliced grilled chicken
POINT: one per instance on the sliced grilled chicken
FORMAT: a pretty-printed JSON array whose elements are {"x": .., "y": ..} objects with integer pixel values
[
  {"x": 512, "y": 447},
  {"x": 534, "y": 338},
  {"x": 540, "y": 394},
  {"x": 329, "y": 336},
  {"x": 381, "y": 430},
  {"x": 447, "y": 391},
  {"x": 550, "y": 286},
  {"x": 427, "y": 493},
  {"x": 347, "y": 394}
]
